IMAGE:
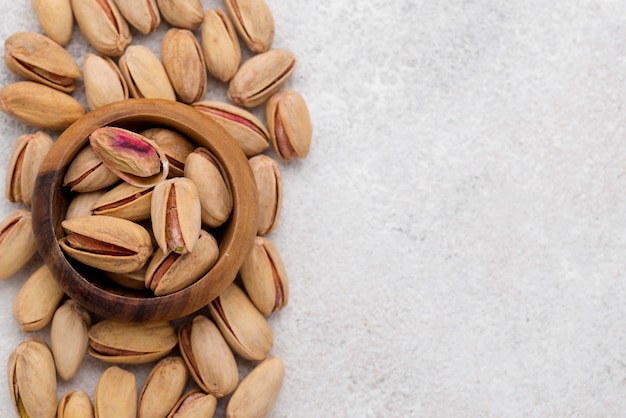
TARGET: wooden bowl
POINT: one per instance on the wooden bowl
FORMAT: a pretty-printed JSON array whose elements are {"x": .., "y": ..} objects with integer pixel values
[{"x": 88, "y": 286}]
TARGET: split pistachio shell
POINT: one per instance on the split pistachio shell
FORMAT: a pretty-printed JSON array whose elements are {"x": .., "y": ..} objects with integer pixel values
[
  {"x": 40, "y": 106},
  {"x": 131, "y": 342},
  {"x": 175, "y": 146},
  {"x": 104, "y": 83},
  {"x": 87, "y": 173},
  {"x": 17, "y": 242},
  {"x": 264, "y": 277},
  {"x": 131, "y": 280},
  {"x": 103, "y": 25},
  {"x": 162, "y": 388},
  {"x": 108, "y": 243},
  {"x": 194, "y": 404},
  {"x": 243, "y": 126},
  {"x": 254, "y": 22},
  {"x": 38, "y": 58},
  {"x": 125, "y": 201},
  {"x": 70, "y": 323},
  {"x": 143, "y": 15},
  {"x": 289, "y": 124},
  {"x": 176, "y": 215},
  {"x": 216, "y": 202},
  {"x": 116, "y": 394},
  {"x": 81, "y": 204},
  {"x": 32, "y": 379},
  {"x": 242, "y": 325},
  {"x": 257, "y": 393},
  {"x": 145, "y": 74},
  {"x": 220, "y": 45},
  {"x": 269, "y": 187},
  {"x": 37, "y": 300},
  {"x": 208, "y": 357},
  {"x": 75, "y": 404},
  {"x": 28, "y": 153},
  {"x": 184, "y": 63},
  {"x": 186, "y": 14},
  {"x": 56, "y": 19}
]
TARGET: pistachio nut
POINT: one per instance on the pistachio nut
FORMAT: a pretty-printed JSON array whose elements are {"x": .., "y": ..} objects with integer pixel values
[
  {"x": 186, "y": 14},
  {"x": 220, "y": 45},
  {"x": 264, "y": 277},
  {"x": 261, "y": 76},
  {"x": 81, "y": 203},
  {"x": 289, "y": 124},
  {"x": 108, "y": 243},
  {"x": 258, "y": 391},
  {"x": 143, "y": 15},
  {"x": 125, "y": 201},
  {"x": 175, "y": 146},
  {"x": 269, "y": 187},
  {"x": 87, "y": 173},
  {"x": 120, "y": 342},
  {"x": 184, "y": 64},
  {"x": 208, "y": 357},
  {"x": 169, "y": 272},
  {"x": 39, "y": 105},
  {"x": 28, "y": 153},
  {"x": 145, "y": 74},
  {"x": 254, "y": 22},
  {"x": 245, "y": 329},
  {"x": 104, "y": 83},
  {"x": 131, "y": 280},
  {"x": 243, "y": 126},
  {"x": 131, "y": 156},
  {"x": 162, "y": 388},
  {"x": 56, "y": 19},
  {"x": 32, "y": 379},
  {"x": 37, "y": 300},
  {"x": 75, "y": 404},
  {"x": 176, "y": 215},
  {"x": 103, "y": 25},
  {"x": 216, "y": 202},
  {"x": 116, "y": 394},
  {"x": 17, "y": 242},
  {"x": 38, "y": 58},
  {"x": 70, "y": 323},
  {"x": 194, "y": 404}
]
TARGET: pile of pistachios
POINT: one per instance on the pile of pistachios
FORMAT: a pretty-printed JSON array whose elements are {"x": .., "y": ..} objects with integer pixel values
[{"x": 179, "y": 187}]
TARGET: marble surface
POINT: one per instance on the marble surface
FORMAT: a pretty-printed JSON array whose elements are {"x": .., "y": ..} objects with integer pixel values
[{"x": 455, "y": 239}]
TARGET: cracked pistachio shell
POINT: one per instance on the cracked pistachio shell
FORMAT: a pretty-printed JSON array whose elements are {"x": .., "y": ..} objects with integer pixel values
[
  {"x": 220, "y": 45},
  {"x": 186, "y": 14},
  {"x": 56, "y": 19},
  {"x": 245, "y": 329},
  {"x": 145, "y": 75},
  {"x": 132, "y": 157},
  {"x": 169, "y": 272},
  {"x": 257, "y": 393},
  {"x": 269, "y": 187},
  {"x": 40, "y": 106},
  {"x": 37, "y": 300},
  {"x": 184, "y": 64},
  {"x": 70, "y": 323},
  {"x": 75, "y": 404},
  {"x": 38, "y": 58},
  {"x": 143, "y": 15},
  {"x": 175, "y": 146},
  {"x": 261, "y": 76},
  {"x": 81, "y": 204},
  {"x": 194, "y": 404},
  {"x": 131, "y": 280},
  {"x": 28, "y": 152},
  {"x": 264, "y": 277},
  {"x": 17, "y": 242},
  {"x": 32, "y": 379},
  {"x": 216, "y": 201},
  {"x": 162, "y": 388},
  {"x": 289, "y": 124},
  {"x": 125, "y": 201},
  {"x": 87, "y": 173},
  {"x": 116, "y": 394},
  {"x": 104, "y": 82},
  {"x": 102, "y": 24},
  {"x": 210, "y": 361},
  {"x": 108, "y": 243},
  {"x": 247, "y": 130},
  {"x": 176, "y": 215},
  {"x": 254, "y": 22}
]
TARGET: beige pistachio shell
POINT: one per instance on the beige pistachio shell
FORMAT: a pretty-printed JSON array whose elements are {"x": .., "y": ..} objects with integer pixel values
[
  {"x": 269, "y": 187},
  {"x": 184, "y": 64},
  {"x": 216, "y": 201},
  {"x": 32, "y": 379},
  {"x": 17, "y": 242},
  {"x": 87, "y": 173},
  {"x": 70, "y": 323},
  {"x": 125, "y": 201},
  {"x": 40, "y": 106},
  {"x": 81, "y": 203},
  {"x": 104, "y": 83},
  {"x": 257, "y": 393},
  {"x": 194, "y": 404},
  {"x": 254, "y": 22},
  {"x": 143, "y": 15},
  {"x": 243, "y": 126},
  {"x": 37, "y": 300},
  {"x": 242, "y": 325},
  {"x": 116, "y": 394},
  {"x": 56, "y": 19},
  {"x": 75, "y": 404},
  {"x": 289, "y": 124},
  {"x": 186, "y": 14},
  {"x": 28, "y": 153},
  {"x": 36, "y": 57},
  {"x": 175, "y": 146},
  {"x": 220, "y": 45},
  {"x": 162, "y": 388},
  {"x": 132, "y": 280},
  {"x": 145, "y": 75},
  {"x": 103, "y": 25}
]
